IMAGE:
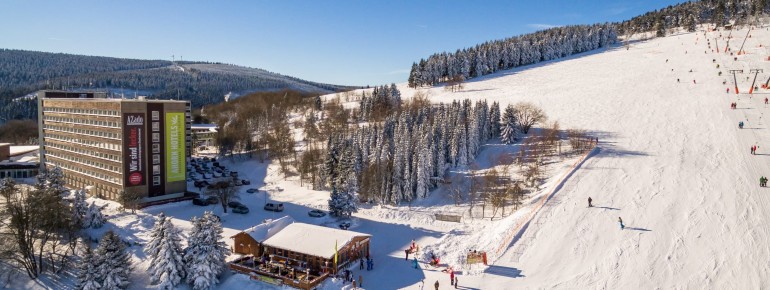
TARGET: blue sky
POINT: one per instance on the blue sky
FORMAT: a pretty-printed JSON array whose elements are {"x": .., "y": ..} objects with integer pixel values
[{"x": 339, "y": 42}]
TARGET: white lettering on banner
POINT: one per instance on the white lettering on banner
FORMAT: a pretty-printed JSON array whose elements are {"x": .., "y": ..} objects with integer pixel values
[
  {"x": 135, "y": 121},
  {"x": 174, "y": 140}
]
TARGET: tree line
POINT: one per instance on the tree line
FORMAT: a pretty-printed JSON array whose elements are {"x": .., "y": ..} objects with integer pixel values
[
  {"x": 509, "y": 53},
  {"x": 24, "y": 72}
]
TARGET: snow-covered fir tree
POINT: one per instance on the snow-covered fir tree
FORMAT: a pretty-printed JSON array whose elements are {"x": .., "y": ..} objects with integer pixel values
[
  {"x": 508, "y": 133},
  {"x": 114, "y": 263},
  {"x": 342, "y": 203},
  {"x": 88, "y": 272},
  {"x": 94, "y": 217},
  {"x": 205, "y": 253},
  {"x": 494, "y": 119},
  {"x": 167, "y": 268},
  {"x": 80, "y": 217}
]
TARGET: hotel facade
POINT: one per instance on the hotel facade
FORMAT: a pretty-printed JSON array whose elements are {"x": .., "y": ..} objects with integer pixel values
[{"x": 112, "y": 146}]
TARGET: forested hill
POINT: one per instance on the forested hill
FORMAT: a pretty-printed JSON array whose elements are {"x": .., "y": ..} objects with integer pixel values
[{"x": 24, "y": 72}]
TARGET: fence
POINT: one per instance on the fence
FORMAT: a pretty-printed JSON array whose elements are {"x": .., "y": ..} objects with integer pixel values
[
  {"x": 448, "y": 217},
  {"x": 520, "y": 226}
]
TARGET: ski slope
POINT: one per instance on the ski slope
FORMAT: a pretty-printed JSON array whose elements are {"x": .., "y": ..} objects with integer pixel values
[{"x": 671, "y": 162}]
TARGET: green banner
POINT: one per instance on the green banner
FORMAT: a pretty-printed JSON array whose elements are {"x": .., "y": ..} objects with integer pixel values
[{"x": 175, "y": 144}]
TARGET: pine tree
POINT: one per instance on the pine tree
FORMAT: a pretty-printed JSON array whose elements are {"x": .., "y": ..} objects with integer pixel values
[
  {"x": 508, "y": 134},
  {"x": 80, "y": 210},
  {"x": 94, "y": 217},
  {"x": 88, "y": 274},
  {"x": 114, "y": 263},
  {"x": 205, "y": 253},
  {"x": 494, "y": 119},
  {"x": 165, "y": 254}
]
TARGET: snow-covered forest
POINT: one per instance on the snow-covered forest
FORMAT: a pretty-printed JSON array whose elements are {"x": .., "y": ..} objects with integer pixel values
[
  {"x": 512, "y": 52},
  {"x": 24, "y": 72}
]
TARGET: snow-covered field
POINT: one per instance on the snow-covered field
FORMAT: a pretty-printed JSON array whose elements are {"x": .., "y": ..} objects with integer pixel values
[{"x": 671, "y": 162}]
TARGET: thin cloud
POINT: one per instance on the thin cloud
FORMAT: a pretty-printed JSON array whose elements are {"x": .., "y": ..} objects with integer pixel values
[{"x": 541, "y": 26}]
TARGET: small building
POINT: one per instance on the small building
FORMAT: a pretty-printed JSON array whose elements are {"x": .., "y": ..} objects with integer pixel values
[
  {"x": 203, "y": 134},
  {"x": 302, "y": 255},
  {"x": 18, "y": 162},
  {"x": 249, "y": 241}
]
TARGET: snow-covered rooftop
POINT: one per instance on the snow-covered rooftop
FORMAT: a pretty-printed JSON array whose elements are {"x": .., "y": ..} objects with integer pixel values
[
  {"x": 16, "y": 150},
  {"x": 311, "y": 239},
  {"x": 264, "y": 231}
]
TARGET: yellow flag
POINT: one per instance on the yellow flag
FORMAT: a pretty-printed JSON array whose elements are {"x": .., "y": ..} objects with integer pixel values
[{"x": 335, "y": 253}]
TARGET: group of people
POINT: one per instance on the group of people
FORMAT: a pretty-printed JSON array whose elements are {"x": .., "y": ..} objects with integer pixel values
[
  {"x": 754, "y": 149},
  {"x": 369, "y": 264},
  {"x": 733, "y": 105},
  {"x": 347, "y": 276},
  {"x": 762, "y": 181}
]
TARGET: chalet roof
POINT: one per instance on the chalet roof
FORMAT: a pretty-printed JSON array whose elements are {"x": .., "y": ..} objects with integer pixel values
[
  {"x": 264, "y": 231},
  {"x": 311, "y": 239}
]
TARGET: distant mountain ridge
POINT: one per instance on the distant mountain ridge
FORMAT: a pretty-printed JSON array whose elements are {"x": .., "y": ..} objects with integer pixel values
[{"x": 24, "y": 72}]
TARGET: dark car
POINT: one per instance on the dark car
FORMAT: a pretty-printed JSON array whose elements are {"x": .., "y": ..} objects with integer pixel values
[
  {"x": 212, "y": 200},
  {"x": 277, "y": 207},
  {"x": 200, "y": 202},
  {"x": 234, "y": 204},
  {"x": 245, "y": 182},
  {"x": 344, "y": 225},
  {"x": 242, "y": 209}
]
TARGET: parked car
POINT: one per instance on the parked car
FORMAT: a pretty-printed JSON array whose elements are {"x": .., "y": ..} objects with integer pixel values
[
  {"x": 207, "y": 175},
  {"x": 241, "y": 209},
  {"x": 200, "y": 202},
  {"x": 238, "y": 182},
  {"x": 234, "y": 204},
  {"x": 252, "y": 190},
  {"x": 316, "y": 213},
  {"x": 277, "y": 207},
  {"x": 245, "y": 182},
  {"x": 344, "y": 225},
  {"x": 212, "y": 200}
]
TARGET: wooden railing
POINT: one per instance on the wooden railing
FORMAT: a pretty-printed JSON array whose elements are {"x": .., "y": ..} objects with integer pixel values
[{"x": 271, "y": 278}]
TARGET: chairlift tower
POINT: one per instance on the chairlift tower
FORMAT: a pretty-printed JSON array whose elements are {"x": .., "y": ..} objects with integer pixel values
[
  {"x": 756, "y": 73},
  {"x": 735, "y": 79}
]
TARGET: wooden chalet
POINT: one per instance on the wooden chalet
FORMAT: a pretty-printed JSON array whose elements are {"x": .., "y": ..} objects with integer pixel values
[
  {"x": 302, "y": 255},
  {"x": 249, "y": 241}
]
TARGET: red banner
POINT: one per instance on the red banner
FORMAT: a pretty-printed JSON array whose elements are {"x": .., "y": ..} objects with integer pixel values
[{"x": 133, "y": 149}]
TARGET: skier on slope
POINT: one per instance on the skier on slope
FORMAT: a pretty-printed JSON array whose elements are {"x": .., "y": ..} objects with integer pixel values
[
  {"x": 765, "y": 100},
  {"x": 622, "y": 226},
  {"x": 589, "y": 202}
]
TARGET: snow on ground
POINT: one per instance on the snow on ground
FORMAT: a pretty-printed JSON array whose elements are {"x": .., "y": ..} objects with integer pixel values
[{"x": 671, "y": 162}]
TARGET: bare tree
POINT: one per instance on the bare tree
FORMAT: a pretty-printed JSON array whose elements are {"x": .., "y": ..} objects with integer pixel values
[
  {"x": 528, "y": 115},
  {"x": 224, "y": 190},
  {"x": 455, "y": 83},
  {"x": 131, "y": 200},
  {"x": 36, "y": 227}
]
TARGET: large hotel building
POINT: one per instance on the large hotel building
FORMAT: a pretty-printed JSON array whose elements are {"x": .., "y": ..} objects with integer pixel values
[{"x": 111, "y": 146}]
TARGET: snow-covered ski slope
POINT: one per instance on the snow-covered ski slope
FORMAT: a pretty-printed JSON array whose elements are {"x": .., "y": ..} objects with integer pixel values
[{"x": 671, "y": 162}]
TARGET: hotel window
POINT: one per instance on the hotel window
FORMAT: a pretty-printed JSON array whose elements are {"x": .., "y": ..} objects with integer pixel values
[
  {"x": 156, "y": 170},
  {"x": 155, "y": 137},
  {"x": 155, "y": 148},
  {"x": 155, "y": 158},
  {"x": 155, "y": 126},
  {"x": 156, "y": 180},
  {"x": 155, "y": 115}
]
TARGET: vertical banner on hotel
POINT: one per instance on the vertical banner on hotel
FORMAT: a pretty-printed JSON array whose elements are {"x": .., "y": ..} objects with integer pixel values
[
  {"x": 133, "y": 149},
  {"x": 155, "y": 139},
  {"x": 175, "y": 146}
]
